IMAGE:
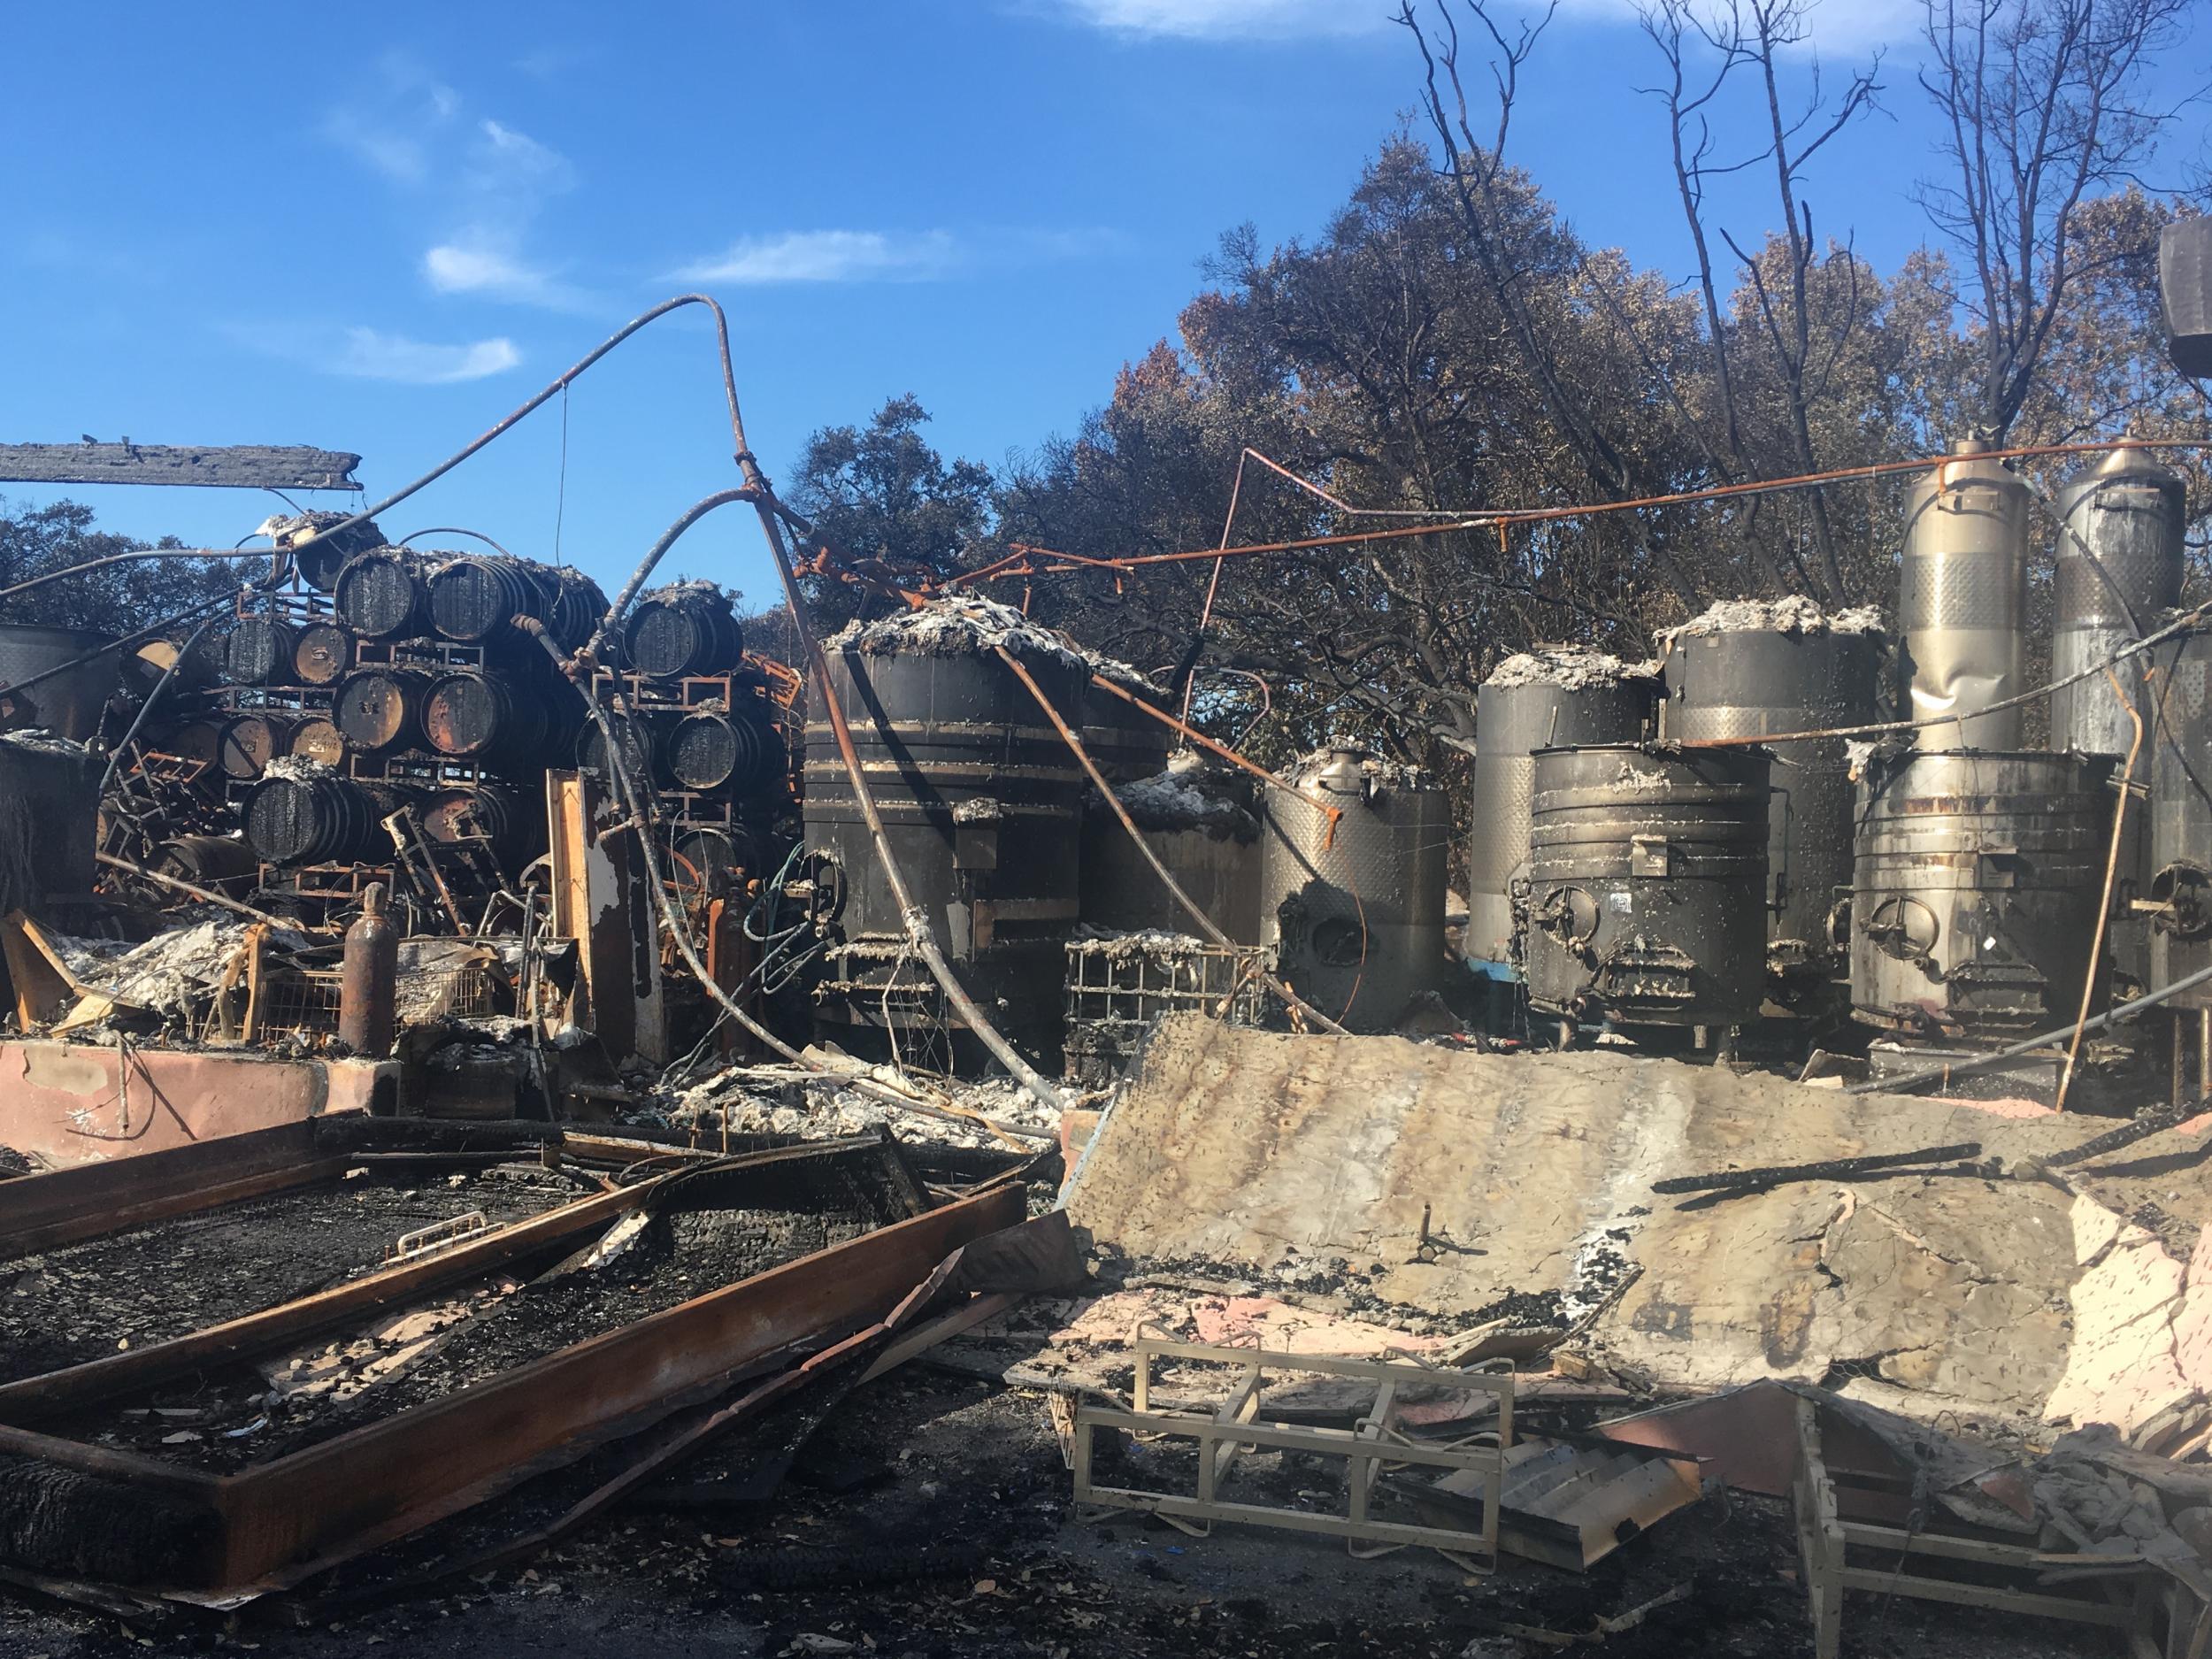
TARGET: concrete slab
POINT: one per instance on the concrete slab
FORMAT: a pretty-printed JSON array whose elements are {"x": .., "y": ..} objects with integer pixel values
[{"x": 1315, "y": 1157}]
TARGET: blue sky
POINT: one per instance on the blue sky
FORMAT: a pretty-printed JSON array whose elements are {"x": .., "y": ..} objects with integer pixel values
[{"x": 380, "y": 230}]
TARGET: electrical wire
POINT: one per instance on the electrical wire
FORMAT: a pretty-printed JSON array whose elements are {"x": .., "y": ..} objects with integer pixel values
[{"x": 1020, "y": 559}]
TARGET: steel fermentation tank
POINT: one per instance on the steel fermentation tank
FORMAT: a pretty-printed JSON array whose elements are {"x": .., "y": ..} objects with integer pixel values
[
  {"x": 1975, "y": 890},
  {"x": 2118, "y": 568},
  {"x": 1198, "y": 824},
  {"x": 1964, "y": 596},
  {"x": 70, "y": 702},
  {"x": 2180, "y": 884},
  {"x": 1549, "y": 698},
  {"x": 980, "y": 800},
  {"x": 1641, "y": 862},
  {"x": 1354, "y": 906},
  {"x": 1763, "y": 681}
]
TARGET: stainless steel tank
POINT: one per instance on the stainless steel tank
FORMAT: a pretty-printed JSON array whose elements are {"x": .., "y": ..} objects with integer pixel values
[
  {"x": 2179, "y": 887},
  {"x": 1199, "y": 823},
  {"x": 1975, "y": 892},
  {"x": 1644, "y": 866},
  {"x": 2118, "y": 568},
  {"x": 69, "y": 703},
  {"x": 1554, "y": 697},
  {"x": 1352, "y": 886},
  {"x": 980, "y": 799},
  {"x": 2119, "y": 562},
  {"x": 1965, "y": 598},
  {"x": 1751, "y": 669}
]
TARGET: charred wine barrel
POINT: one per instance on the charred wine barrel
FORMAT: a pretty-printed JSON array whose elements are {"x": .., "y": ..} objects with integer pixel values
[
  {"x": 214, "y": 861},
  {"x": 474, "y": 598},
  {"x": 498, "y": 817},
  {"x": 380, "y": 595},
  {"x": 378, "y": 708},
  {"x": 192, "y": 739},
  {"x": 577, "y": 605},
  {"x": 259, "y": 651},
  {"x": 247, "y": 742},
  {"x": 713, "y": 749},
  {"x": 710, "y": 857},
  {"x": 320, "y": 818},
  {"x": 640, "y": 748},
  {"x": 679, "y": 631},
  {"x": 318, "y": 738},
  {"x": 471, "y": 714},
  {"x": 321, "y": 654},
  {"x": 321, "y": 549}
]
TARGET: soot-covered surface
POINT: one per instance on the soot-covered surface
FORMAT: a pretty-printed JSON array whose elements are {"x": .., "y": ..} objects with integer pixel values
[
  {"x": 85, "y": 1301},
  {"x": 709, "y": 1231}
]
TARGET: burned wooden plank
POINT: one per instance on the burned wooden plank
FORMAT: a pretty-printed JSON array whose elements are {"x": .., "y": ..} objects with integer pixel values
[{"x": 232, "y": 466}]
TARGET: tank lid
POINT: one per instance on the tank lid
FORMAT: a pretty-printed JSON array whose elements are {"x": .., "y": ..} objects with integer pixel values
[{"x": 2127, "y": 461}]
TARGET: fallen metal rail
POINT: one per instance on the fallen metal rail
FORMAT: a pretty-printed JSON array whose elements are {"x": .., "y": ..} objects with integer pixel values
[{"x": 276, "y": 1524}]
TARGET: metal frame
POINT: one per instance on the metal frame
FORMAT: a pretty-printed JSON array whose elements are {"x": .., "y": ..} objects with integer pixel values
[
  {"x": 1375, "y": 1440},
  {"x": 277, "y": 1524},
  {"x": 1825, "y": 1542}
]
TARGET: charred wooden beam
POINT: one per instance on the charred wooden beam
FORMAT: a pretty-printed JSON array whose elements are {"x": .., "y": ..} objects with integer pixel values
[{"x": 233, "y": 466}]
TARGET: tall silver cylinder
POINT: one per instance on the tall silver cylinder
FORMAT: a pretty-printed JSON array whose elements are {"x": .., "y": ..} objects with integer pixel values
[
  {"x": 1560, "y": 697},
  {"x": 1975, "y": 888},
  {"x": 1963, "y": 600},
  {"x": 1355, "y": 905},
  {"x": 2119, "y": 562}
]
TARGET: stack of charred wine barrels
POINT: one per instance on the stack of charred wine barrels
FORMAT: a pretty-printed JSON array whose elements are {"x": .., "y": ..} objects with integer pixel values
[
  {"x": 697, "y": 730},
  {"x": 415, "y": 680}
]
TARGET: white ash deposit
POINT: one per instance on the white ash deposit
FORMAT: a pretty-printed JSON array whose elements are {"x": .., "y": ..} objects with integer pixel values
[
  {"x": 1571, "y": 667},
  {"x": 1189, "y": 798},
  {"x": 38, "y": 739},
  {"x": 966, "y": 626},
  {"x": 170, "y": 971},
  {"x": 1796, "y": 615},
  {"x": 298, "y": 768},
  {"x": 784, "y": 1100}
]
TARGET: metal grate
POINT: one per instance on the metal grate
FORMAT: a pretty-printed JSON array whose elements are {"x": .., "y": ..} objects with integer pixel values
[{"x": 1134, "y": 981}]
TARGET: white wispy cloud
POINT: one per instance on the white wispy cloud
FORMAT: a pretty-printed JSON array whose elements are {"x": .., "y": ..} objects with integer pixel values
[
  {"x": 372, "y": 354},
  {"x": 1833, "y": 25},
  {"x": 395, "y": 129},
  {"x": 480, "y": 183},
  {"x": 878, "y": 256},
  {"x": 476, "y": 263},
  {"x": 1229, "y": 20},
  {"x": 830, "y": 255}
]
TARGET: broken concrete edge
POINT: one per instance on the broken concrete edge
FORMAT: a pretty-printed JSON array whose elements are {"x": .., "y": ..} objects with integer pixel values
[{"x": 1315, "y": 1166}]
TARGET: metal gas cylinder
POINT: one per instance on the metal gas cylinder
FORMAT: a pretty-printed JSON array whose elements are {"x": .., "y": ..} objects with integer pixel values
[{"x": 368, "y": 980}]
